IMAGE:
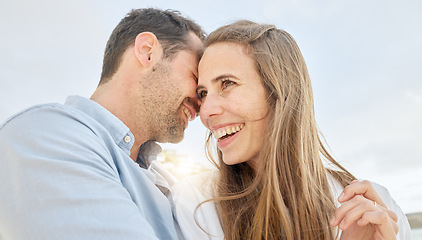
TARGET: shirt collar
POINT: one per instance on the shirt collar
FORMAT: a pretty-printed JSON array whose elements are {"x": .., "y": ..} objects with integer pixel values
[
  {"x": 116, "y": 128},
  {"x": 120, "y": 133}
]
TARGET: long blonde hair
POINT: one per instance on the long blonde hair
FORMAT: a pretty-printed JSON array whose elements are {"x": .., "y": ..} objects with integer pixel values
[{"x": 287, "y": 196}]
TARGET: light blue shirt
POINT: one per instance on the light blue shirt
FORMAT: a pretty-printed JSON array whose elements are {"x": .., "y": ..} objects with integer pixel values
[{"x": 66, "y": 173}]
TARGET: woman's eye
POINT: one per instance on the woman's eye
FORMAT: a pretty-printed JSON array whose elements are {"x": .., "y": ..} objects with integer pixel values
[
  {"x": 201, "y": 94},
  {"x": 226, "y": 83}
]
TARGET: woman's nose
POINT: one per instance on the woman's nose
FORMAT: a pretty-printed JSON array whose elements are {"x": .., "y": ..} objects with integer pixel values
[{"x": 210, "y": 106}]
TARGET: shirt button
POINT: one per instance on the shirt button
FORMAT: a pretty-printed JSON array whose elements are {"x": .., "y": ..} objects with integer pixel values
[{"x": 127, "y": 139}]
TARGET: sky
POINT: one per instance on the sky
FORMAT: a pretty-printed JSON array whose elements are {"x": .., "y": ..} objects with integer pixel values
[{"x": 364, "y": 59}]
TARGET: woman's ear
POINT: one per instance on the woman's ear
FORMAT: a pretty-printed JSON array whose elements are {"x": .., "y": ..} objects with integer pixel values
[{"x": 147, "y": 48}]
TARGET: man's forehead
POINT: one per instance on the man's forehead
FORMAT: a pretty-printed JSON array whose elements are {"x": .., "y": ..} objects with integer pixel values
[{"x": 196, "y": 45}]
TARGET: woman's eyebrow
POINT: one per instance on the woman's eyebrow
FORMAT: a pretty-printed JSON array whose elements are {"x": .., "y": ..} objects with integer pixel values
[{"x": 216, "y": 79}]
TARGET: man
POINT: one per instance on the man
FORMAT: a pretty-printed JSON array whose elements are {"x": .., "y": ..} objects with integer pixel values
[{"x": 72, "y": 171}]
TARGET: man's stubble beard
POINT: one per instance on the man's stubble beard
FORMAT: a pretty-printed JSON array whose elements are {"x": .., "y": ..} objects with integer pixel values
[{"x": 161, "y": 103}]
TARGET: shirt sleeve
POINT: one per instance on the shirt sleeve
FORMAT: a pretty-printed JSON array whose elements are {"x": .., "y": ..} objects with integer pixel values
[{"x": 60, "y": 182}]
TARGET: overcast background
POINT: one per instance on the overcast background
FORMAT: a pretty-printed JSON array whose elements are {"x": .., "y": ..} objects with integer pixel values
[{"x": 364, "y": 58}]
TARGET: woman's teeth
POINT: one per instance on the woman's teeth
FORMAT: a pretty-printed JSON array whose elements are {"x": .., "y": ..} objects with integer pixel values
[{"x": 222, "y": 132}]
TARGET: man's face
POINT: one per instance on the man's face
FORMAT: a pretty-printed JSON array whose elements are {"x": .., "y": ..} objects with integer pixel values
[{"x": 170, "y": 95}]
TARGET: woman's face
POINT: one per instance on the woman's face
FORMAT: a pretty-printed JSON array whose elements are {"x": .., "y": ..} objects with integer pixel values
[{"x": 234, "y": 105}]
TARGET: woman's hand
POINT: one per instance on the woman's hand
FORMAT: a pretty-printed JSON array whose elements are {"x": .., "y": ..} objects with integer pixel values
[{"x": 363, "y": 214}]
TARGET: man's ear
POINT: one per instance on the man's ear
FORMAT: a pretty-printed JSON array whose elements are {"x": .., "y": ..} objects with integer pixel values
[{"x": 147, "y": 48}]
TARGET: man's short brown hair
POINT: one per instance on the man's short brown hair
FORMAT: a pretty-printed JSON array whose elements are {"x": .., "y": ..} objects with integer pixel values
[{"x": 170, "y": 28}]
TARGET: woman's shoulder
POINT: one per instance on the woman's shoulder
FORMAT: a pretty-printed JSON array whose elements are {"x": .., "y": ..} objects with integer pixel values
[
  {"x": 199, "y": 187},
  {"x": 195, "y": 215}
]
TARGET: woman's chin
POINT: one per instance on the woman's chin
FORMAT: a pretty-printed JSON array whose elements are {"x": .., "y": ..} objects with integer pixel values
[{"x": 231, "y": 161}]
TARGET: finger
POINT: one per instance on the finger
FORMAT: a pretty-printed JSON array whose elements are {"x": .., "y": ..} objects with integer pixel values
[
  {"x": 390, "y": 213},
  {"x": 352, "y": 210},
  {"x": 387, "y": 227},
  {"x": 356, "y": 213},
  {"x": 345, "y": 208},
  {"x": 366, "y": 204},
  {"x": 364, "y": 188},
  {"x": 354, "y": 181},
  {"x": 378, "y": 236},
  {"x": 377, "y": 218}
]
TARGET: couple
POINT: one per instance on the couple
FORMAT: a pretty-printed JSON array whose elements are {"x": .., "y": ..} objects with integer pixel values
[{"x": 86, "y": 170}]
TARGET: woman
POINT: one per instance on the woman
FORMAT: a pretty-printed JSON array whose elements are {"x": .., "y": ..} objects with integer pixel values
[{"x": 271, "y": 182}]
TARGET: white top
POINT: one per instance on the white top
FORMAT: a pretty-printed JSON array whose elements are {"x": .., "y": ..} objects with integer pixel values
[{"x": 191, "y": 191}]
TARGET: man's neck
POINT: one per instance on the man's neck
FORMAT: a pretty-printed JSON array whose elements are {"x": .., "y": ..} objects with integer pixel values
[
  {"x": 113, "y": 101},
  {"x": 134, "y": 152}
]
